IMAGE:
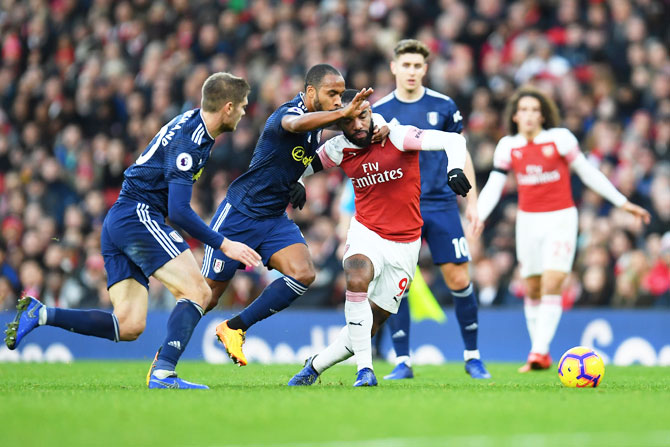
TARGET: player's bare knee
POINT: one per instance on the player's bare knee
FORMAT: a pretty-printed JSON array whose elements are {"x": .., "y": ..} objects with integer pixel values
[
  {"x": 199, "y": 293},
  {"x": 130, "y": 329},
  {"x": 457, "y": 277},
  {"x": 305, "y": 275}
]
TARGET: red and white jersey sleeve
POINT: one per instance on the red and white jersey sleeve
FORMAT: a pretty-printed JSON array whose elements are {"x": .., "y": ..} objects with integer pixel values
[
  {"x": 387, "y": 186},
  {"x": 541, "y": 167}
]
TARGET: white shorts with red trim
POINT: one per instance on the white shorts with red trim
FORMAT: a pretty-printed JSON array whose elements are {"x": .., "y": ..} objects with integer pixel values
[
  {"x": 394, "y": 264},
  {"x": 546, "y": 241}
]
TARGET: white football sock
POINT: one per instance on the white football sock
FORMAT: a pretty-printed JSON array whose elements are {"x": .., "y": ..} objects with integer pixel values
[
  {"x": 358, "y": 313},
  {"x": 530, "y": 309},
  {"x": 548, "y": 317},
  {"x": 42, "y": 316},
  {"x": 469, "y": 355},
  {"x": 403, "y": 359},
  {"x": 339, "y": 350}
]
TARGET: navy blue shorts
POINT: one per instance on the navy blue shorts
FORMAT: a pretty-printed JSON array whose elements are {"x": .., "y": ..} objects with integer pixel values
[
  {"x": 136, "y": 242},
  {"x": 266, "y": 236},
  {"x": 443, "y": 232}
]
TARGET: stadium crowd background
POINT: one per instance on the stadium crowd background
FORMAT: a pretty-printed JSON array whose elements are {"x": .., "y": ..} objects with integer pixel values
[{"x": 85, "y": 85}]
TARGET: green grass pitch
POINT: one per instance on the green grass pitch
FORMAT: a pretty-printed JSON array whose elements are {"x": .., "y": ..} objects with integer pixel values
[{"x": 106, "y": 403}]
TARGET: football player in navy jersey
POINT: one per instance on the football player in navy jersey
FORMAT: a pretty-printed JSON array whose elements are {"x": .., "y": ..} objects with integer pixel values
[
  {"x": 254, "y": 210},
  {"x": 137, "y": 243},
  {"x": 413, "y": 104}
]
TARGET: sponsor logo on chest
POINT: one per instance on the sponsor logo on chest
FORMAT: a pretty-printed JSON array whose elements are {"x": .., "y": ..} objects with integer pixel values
[{"x": 372, "y": 175}]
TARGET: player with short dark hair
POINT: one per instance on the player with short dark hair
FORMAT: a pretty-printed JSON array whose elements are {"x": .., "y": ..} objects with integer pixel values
[
  {"x": 541, "y": 155},
  {"x": 254, "y": 210},
  {"x": 382, "y": 247},
  {"x": 137, "y": 243},
  {"x": 413, "y": 104}
]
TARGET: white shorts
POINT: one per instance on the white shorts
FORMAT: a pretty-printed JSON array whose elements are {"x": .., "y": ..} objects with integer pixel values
[
  {"x": 546, "y": 241},
  {"x": 394, "y": 264}
]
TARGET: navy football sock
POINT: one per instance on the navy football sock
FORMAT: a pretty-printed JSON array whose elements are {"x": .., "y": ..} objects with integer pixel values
[
  {"x": 97, "y": 323},
  {"x": 180, "y": 325},
  {"x": 465, "y": 305},
  {"x": 399, "y": 327},
  {"x": 277, "y": 296}
]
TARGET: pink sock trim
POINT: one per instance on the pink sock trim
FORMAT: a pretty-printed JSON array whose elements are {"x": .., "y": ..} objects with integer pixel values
[
  {"x": 554, "y": 300},
  {"x": 356, "y": 297},
  {"x": 530, "y": 302}
]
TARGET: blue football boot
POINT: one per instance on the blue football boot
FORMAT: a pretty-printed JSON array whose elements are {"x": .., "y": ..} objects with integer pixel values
[
  {"x": 366, "y": 377},
  {"x": 306, "y": 376},
  {"x": 27, "y": 318},
  {"x": 171, "y": 381},
  {"x": 401, "y": 371},
  {"x": 476, "y": 369}
]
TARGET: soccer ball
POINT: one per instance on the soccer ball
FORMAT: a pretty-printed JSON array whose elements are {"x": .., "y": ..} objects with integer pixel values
[{"x": 581, "y": 367}]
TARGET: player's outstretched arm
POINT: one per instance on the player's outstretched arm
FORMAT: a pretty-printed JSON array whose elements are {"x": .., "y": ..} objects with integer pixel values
[
  {"x": 476, "y": 225},
  {"x": 318, "y": 120},
  {"x": 181, "y": 213},
  {"x": 597, "y": 181},
  {"x": 490, "y": 194},
  {"x": 240, "y": 252}
]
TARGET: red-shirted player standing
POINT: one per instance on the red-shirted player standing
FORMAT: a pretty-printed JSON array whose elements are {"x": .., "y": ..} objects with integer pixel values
[
  {"x": 541, "y": 156},
  {"x": 382, "y": 247}
]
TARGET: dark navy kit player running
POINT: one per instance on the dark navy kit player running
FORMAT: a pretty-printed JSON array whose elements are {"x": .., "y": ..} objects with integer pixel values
[
  {"x": 254, "y": 210},
  {"x": 137, "y": 243},
  {"x": 413, "y": 104}
]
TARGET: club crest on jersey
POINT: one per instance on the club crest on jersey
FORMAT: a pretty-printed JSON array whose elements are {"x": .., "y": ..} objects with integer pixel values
[
  {"x": 218, "y": 265},
  {"x": 433, "y": 117},
  {"x": 547, "y": 150},
  {"x": 184, "y": 161},
  {"x": 176, "y": 236}
]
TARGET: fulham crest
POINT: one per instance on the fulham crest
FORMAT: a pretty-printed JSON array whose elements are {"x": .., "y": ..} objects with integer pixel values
[
  {"x": 432, "y": 118},
  {"x": 218, "y": 265}
]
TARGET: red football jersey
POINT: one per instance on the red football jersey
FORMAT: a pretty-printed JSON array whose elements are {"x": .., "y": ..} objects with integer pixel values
[
  {"x": 387, "y": 183},
  {"x": 542, "y": 168}
]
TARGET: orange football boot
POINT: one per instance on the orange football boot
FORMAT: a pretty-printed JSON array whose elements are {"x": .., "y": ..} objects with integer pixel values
[{"x": 232, "y": 340}]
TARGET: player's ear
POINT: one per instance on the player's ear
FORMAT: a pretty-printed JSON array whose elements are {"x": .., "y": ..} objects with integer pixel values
[
  {"x": 228, "y": 107},
  {"x": 310, "y": 91},
  {"x": 393, "y": 67}
]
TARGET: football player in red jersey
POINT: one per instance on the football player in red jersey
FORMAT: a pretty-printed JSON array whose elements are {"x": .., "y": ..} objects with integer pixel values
[
  {"x": 384, "y": 237},
  {"x": 541, "y": 155}
]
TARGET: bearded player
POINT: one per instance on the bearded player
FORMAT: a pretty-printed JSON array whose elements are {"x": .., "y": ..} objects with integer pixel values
[{"x": 384, "y": 237}]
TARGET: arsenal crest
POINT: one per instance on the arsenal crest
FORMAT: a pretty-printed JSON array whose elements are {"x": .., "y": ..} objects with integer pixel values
[
  {"x": 433, "y": 117},
  {"x": 218, "y": 265},
  {"x": 547, "y": 150}
]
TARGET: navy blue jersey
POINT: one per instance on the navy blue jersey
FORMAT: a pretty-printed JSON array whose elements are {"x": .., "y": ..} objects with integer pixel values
[
  {"x": 177, "y": 154},
  {"x": 278, "y": 161},
  {"x": 432, "y": 111}
]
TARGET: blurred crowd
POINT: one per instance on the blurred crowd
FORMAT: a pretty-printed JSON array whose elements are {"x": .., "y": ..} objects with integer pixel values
[{"x": 85, "y": 85}]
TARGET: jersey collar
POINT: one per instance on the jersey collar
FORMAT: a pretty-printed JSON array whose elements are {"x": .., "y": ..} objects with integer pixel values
[
  {"x": 205, "y": 125},
  {"x": 423, "y": 93}
]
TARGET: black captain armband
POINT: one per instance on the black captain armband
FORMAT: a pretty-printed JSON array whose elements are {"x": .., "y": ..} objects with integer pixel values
[
  {"x": 502, "y": 171},
  {"x": 316, "y": 164}
]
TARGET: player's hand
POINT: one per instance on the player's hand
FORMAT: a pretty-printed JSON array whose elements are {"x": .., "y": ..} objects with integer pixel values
[
  {"x": 379, "y": 134},
  {"x": 358, "y": 104},
  {"x": 297, "y": 195},
  {"x": 641, "y": 215},
  {"x": 240, "y": 252},
  {"x": 476, "y": 226},
  {"x": 458, "y": 182}
]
